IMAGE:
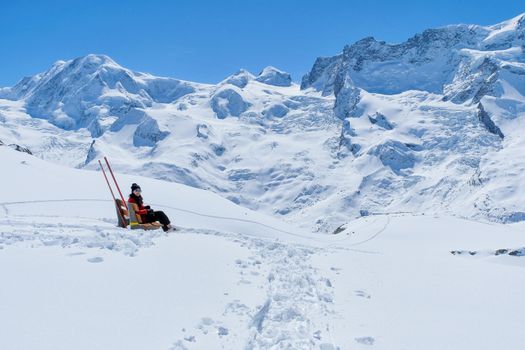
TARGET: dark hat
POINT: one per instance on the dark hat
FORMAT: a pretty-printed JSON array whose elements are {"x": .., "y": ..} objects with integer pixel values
[{"x": 134, "y": 187}]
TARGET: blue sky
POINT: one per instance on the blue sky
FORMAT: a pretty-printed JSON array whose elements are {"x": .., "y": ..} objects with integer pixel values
[{"x": 206, "y": 41}]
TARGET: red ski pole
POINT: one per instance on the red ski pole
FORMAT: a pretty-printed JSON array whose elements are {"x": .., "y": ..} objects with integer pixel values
[
  {"x": 107, "y": 181},
  {"x": 115, "y": 180},
  {"x": 122, "y": 219}
]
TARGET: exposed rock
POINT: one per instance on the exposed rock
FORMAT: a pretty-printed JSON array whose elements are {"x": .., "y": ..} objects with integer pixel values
[
  {"x": 18, "y": 148},
  {"x": 517, "y": 252},
  {"x": 92, "y": 153},
  {"x": 345, "y": 141},
  {"x": 489, "y": 124},
  {"x": 322, "y": 75},
  {"x": 476, "y": 179},
  {"x": 347, "y": 99},
  {"x": 203, "y": 131},
  {"x": 395, "y": 155},
  {"x": 381, "y": 121},
  {"x": 501, "y": 251},
  {"x": 21, "y": 149},
  {"x": 472, "y": 81}
]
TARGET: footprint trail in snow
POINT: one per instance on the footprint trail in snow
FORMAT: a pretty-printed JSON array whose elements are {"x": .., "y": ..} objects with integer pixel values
[{"x": 296, "y": 300}]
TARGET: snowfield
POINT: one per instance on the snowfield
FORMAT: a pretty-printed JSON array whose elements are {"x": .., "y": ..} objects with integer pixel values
[
  {"x": 234, "y": 279},
  {"x": 378, "y": 205}
]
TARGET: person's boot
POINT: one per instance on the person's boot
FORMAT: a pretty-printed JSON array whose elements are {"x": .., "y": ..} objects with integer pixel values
[{"x": 168, "y": 228}]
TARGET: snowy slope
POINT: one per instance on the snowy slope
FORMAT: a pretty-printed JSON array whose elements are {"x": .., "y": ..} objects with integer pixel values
[
  {"x": 433, "y": 124},
  {"x": 459, "y": 157},
  {"x": 235, "y": 279},
  {"x": 60, "y": 189}
]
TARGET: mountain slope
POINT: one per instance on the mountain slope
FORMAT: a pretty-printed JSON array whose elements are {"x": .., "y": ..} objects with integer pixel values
[
  {"x": 85, "y": 92},
  {"x": 462, "y": 62},
  {"x": 231, "y": 278},
  {"x": 430, "y": 125}
]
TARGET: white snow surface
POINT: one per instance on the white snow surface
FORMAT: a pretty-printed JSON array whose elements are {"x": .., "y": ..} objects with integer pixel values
[
  {"x": 379, "y": 205},
  {"x": 235, "y": 279}
]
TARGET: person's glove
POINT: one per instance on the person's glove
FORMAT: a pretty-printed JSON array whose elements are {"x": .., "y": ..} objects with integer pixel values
[
  {"x": 151, "y": 211},
  {"x": 147, "y": 207}
]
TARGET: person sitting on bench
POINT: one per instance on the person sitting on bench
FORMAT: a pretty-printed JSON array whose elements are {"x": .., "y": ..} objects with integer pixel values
[{"x": 145, "y": 214}]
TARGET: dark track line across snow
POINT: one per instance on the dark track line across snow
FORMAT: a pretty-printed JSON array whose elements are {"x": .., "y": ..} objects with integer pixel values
[{"x": 5, "y": 204}]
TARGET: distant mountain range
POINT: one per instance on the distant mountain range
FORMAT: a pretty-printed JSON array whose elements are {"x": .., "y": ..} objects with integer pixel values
[{"x": 431, "y": 125}]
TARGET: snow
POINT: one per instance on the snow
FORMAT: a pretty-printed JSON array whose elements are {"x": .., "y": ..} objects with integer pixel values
[
  {"x": 119, "y": 302},
  {"x": 379, "y": 127},
  {"x": 379, "y": 205},
  {"x": 228, "y": 102},
  {"x": 233, "y": 278},
  {"x": 239, "y": 79},
  {"x": 502, "y": 31},
  {"x": 284, "y": 151},
  {"x": 273, "y": 76},
  {"x": 148, "y": 133},
  {"x": 409, "y": 294}
]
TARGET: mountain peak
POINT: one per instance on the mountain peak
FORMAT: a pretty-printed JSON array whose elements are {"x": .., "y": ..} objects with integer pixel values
[
  {"x": 78, "y": 93},
  {"x": 444, "y": 60},
  {"x": 243, "y": 71},
  {"x": 97, "y": 59},
  {"x": 273, "y": 76},
  {"x": 270, "y": 70},
  {"x": 514, "y": 23},
  {"x": 93, "y": 62},
  {"x": 240, "y": 79}
]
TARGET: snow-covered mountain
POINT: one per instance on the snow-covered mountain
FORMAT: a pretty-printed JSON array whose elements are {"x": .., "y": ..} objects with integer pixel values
[
  {"x": 87, "y": 91},
  {"x": 461, "y": 62},
  {"x": 390, "y": 133},
  {"x": 433, "y": 124},
  {"x": 231, "y": 278}
]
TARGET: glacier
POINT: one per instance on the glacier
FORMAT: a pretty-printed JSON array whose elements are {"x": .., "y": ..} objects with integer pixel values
[{"x": 430, "y": 125}]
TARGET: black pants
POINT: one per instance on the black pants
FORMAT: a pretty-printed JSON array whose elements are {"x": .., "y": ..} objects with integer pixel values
[{"x": 158, "y": 216}]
